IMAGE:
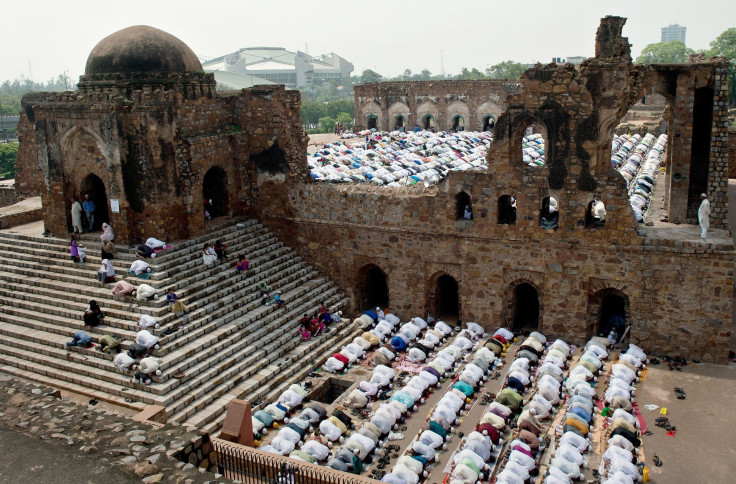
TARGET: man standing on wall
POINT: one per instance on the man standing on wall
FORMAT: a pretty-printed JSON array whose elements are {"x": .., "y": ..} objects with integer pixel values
[
  {"x": 89, "y": 209},
  {"x": 704, "y": 215}
]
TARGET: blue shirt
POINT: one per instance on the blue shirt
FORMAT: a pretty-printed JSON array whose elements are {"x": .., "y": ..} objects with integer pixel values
[{"x": 88, "y": 206}]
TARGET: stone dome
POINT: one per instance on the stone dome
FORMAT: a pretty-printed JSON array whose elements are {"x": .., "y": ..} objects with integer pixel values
[{"x": 142, "y": 50}]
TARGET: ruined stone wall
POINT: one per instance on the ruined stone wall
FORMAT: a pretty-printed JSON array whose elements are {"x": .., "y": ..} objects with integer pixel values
[
  {"x": 473, "y": 100},
  {"x": 152, "y": 149},
  {"x": 414, "y": 237},
  {"x": 8, "y": 195},
  {"x": 732, "y": 152}
]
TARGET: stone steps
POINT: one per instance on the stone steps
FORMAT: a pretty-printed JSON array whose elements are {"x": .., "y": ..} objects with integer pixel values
[
  {"x": 226, "y": 345},
  {"x": 301, "y": 361}
]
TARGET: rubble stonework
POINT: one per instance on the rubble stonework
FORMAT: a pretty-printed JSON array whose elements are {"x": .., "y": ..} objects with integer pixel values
[
  {"x": 673, "y": 289},
  {"x": 443, "y": 100},
  {"x": 152, "y": 453}
]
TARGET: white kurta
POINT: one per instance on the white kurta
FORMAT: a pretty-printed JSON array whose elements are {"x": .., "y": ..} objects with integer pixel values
[{"x": 704, "y": 214}]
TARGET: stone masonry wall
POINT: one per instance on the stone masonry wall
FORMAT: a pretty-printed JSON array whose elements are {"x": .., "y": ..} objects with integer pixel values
[
  {"x": 442, "y": 99},
  {"x": 732, "y": 152}
]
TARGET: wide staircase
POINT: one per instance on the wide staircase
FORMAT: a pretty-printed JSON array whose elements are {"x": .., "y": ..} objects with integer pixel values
[{"x": 227, "y": 345}]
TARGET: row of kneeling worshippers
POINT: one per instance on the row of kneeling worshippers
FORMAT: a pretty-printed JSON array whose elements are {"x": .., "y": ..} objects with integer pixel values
[
  {"x": 400, "y": 159},
  {"x": 638, "y": 160},
  {"x": 533, "y": 376},
  {"x": 445, "y": 417}
]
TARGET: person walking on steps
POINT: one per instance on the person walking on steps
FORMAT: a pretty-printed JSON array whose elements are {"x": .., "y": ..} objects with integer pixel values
[{"x": 89, "y": 209}]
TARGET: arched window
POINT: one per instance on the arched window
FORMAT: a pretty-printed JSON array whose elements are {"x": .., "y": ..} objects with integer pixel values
[
  {"x": 458, "y": 123},
  {"x": 372, "y": 287},
  {"x": 548, "y": 214},
  {"x": 507, "y": 210},
  {"x": 608, "y": 312},
  {"x": 489, "y": 122},
  {"x": 532, "y": 145},
  {"x": 372, "y": 121},
  {"x": 463, "y": 207},
  {"x": 214, "y": 193},
  {"x": 595, "y": 214}
]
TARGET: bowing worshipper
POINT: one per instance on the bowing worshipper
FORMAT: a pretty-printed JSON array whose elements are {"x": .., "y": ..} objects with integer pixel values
[
  {"x": 93, "y": 315},
  {"x": 108, "y": 343},
  {"x": 106, "y": 272},
  {"x": 123, "y": 288},
  {"x": 145, "y": 292},
  {"x": 147, "y": 321},
  {"x": 173, "y": 301},
  {"x": 242, "y": 265},
  {"x": 144, "y": 251},
  {"x": 147, "y": 340},
  {"x": 549, "y": 216},
  {"x": 107, "y": 250},
  {"x": 597, "y": 213},
  {"x": 209, "y": 256},
  {"x": 123, "y": 362},
  {"x": 147, "y": 369},
  {"x": 139, "y": 267},
  {"x": 76, "y": 216},
  {"x": 80, "y": 339},
  {"x": 704, "y": 215},
  {"x": 107, "y": 233}
]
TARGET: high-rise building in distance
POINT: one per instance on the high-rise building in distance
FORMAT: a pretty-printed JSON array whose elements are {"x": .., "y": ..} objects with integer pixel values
[{"x": 673, "y": 32}]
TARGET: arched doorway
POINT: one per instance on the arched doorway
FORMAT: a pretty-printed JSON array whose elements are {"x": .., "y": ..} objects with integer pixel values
[
  {"x": 399, "y": 122},
  {"x": 444, "y": 301},
  {"x": 427, "y": 122},
  {"x": 458, "y": 123},
  {"x": 372, "y": 121},
  {"x": 488, "y": 123},
  {"x": 93, "y": 186},
  {"x": 214, "y": 187},
  {"x": 526, "y": 307},
  {"x": 533, "y": 145},
  {"x": 462, "y": 201},
  {"x": 372, "y": 287},
  {"x": 608, "y": 309}
]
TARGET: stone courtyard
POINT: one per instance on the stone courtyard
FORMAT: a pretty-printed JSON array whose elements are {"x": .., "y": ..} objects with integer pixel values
[{"x": 153, "y": 142}]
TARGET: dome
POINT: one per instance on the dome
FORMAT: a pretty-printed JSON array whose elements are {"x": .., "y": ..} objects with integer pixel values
[{"x": 141, "y": 49}]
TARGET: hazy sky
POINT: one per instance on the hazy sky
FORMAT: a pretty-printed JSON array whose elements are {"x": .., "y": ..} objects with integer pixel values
[{"x": 43, "y": 38}]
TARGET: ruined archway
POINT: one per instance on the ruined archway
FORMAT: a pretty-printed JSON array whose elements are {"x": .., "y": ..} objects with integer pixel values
[
  {"x": 458, "y": 123},
  {"x": 399, "y": 122},
  {"x": 214, "y": 188},
  {"x": 607, "y": 309},
  {"x": 463, "y": 203},
  {"x": 525, "y": 307},
  {"x": 533, "y": 145},
  {"x": 489, "y": 122},
  {"x": 371, "y": 121},
  {"x": 443, "y": 298},
  {"x": 372, "y": 287},
  {"x": 93, "y": 186}
]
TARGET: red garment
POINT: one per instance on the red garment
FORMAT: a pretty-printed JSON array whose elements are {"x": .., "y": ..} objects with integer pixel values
[
  {"x": 342, "y": 358},
  {"x": 492, "y": 432},
  {"x": 500, "y": 338}
]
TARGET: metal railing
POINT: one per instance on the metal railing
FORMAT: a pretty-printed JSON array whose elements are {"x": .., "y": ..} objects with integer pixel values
[{"x": 250, "y": 465}]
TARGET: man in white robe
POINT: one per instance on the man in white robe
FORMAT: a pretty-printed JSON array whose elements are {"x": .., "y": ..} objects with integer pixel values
[{"x": 704, "y": 215}]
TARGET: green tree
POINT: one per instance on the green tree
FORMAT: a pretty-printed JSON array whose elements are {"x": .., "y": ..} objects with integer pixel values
[
  {"x": 725, "y": 46},
  {"x": 312, "y": 111},
  {"x": 337, "y": 106},
  {"x": 8, "y": 155},
  {"x": 473, "y": 74},
  {"x": 346, "y": 119},
  {"x": 673, "y": 52},
  {"x": 326, "y": 125},
  {"x": 370, "y": 76},
  {"x": 505, "y": 70}
]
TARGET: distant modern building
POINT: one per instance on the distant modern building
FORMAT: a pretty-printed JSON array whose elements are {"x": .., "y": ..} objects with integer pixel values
[
  {"x": 574, "y": 60},
  {"x": 673, "y": 32},
  {"x": 280, "y": 66}
]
